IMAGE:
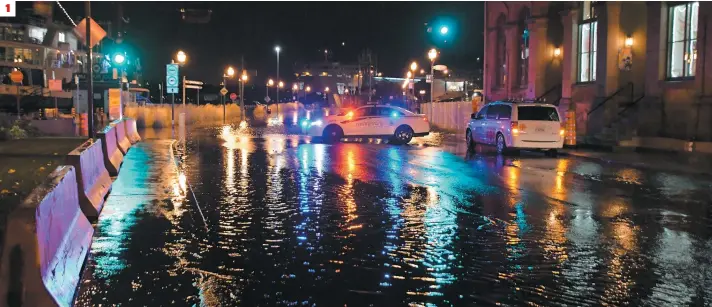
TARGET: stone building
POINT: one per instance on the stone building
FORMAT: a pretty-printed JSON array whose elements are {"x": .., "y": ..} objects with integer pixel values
[{"x": 627, "y": 68}]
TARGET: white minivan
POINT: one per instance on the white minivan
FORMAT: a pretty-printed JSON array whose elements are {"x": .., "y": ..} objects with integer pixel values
[{"x": 513, "y": 126}]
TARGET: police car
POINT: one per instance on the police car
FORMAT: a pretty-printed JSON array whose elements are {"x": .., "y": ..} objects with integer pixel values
[{"x": 378, "y": 121}]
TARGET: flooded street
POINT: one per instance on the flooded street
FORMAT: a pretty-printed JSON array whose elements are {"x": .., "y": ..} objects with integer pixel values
[{"x": 266, "y": 218}]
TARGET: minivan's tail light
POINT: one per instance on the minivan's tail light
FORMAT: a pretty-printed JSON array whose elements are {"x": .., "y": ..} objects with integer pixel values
[
  {"x": 425, "y": 119},
  {"x": 515, "y": 128},
  {"x": 562, "y": 131}
]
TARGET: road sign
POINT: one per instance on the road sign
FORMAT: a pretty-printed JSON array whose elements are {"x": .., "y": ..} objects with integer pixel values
[
  {"x": 172, "y": 78},
  {"x": 267, "y": 99},
  {"x": 233, "y": 97},
  {"x": 429, "y": 78},
  {"x": 223, "y": 91},
  {"x": 197, "y": 87},
  {"x": 16, "y": 76},
  {"x": 193, "y": 82}
]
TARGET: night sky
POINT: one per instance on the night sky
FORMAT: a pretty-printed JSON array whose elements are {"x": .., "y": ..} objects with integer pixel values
[{"x": 394, "y": 31}]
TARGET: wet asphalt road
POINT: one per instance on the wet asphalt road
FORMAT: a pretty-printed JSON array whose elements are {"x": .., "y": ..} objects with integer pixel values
[{"x": 231, "y": 218}]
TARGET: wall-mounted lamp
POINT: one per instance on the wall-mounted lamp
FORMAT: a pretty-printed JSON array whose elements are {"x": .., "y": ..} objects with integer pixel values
[
  {"x": 628, "y": 41},
  {"x": 557, "y": 52}
]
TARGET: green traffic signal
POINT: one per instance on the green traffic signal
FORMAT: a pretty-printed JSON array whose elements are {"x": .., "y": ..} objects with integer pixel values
[{"x": 119, "y": 58}]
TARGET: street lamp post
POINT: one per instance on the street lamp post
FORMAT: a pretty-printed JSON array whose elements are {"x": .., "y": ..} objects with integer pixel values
[
  {"x": 409, "y": 75},
  {"x": 295, "y": 88},
  {"x": 242, "y": 96},
  {"x": 432, "y": 54},
  {"x": 413, "y": 68},
  {"x": 307, "y": 89},
  {"x": 277, "y": 49},
  {"x": 182, "y": 57},
  {"x": 230, "y": 74}
]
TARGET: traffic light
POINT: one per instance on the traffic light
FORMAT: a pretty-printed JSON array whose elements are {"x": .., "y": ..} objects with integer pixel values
[{"x": 119, "y": 58}]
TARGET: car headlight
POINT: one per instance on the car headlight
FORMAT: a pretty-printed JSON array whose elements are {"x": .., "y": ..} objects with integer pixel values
[{"x": 316, "y": 123}]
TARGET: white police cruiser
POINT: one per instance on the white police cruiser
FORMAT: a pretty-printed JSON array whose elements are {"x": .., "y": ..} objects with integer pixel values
[{"x": 377, "y": 121}]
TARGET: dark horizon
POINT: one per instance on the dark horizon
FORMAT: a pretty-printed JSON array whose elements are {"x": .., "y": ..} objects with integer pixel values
[{"x": 394, "y": 31}]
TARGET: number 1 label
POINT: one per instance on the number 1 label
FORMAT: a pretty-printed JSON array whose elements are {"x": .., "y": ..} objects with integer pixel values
[{"x": 8, "y": 8}]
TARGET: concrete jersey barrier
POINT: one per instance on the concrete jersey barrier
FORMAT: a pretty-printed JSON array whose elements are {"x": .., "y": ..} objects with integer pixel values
[
  {"x": 46, "y": 243},
  {"x": 93, "y": 179},
  {"x": 110, "y": 149},
  {"x": 121, "y": 140},
  {"x": 132, "y": 131}
]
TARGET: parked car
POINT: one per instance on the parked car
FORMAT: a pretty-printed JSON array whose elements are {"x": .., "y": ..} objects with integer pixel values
[
  {"x": 395, "y": 123},
  {"x": 511, "y": 126}
]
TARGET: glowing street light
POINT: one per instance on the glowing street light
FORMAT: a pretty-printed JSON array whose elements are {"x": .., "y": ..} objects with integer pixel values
[
  {"x": 413, "y": 66},
  {"x": 410, "y": 75},
  {"x": 244, "y": 77},
  {"x": 308, "y": 89},
  {"x": 444, "y": 30},
  {"x": 326, "y": 89},
  {"x": 281, "y": 84},
  {"x": 270, "y": 82},
  {"x": 230, "y": 71},
  {"x": 181, "y": 57},
  {"x": 432, "y": 54},
  {"x": 295, "y": 87},
  {"x": 422, "y": 71}
]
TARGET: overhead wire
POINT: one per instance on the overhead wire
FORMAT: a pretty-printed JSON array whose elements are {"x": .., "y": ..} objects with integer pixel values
[{"x": 65, "y": 13}]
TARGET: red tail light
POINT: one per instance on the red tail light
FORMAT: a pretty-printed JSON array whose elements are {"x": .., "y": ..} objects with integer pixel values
[
  {"x": 515, "y": 128},
  {"x": 425, "y": 119}
]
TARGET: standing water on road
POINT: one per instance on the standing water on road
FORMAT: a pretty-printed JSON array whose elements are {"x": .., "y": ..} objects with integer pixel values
[{"x": 288, "y": 222}]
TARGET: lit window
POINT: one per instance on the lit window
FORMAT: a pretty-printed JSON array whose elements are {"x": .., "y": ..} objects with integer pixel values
[
  {"x": 588, "y": 41},
  {"x": 682, "y": 40},
  {"x": 61, "y": 37},
  {"x": 37, "y": 34}
]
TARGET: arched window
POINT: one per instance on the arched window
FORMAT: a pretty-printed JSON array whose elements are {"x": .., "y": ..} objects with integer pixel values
[
  {"x": 501, "y": 54},
  {"x": 523, "y": 68}
]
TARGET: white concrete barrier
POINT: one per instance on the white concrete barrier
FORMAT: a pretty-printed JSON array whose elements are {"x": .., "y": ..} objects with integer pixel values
[
  {"x": 110, "y": 150},
  {"x": 45, "y": 246},
  {"x": 121, "y": 140},
  {"x": 93, "y": 179},
  {"x": 132, "y": 131}
]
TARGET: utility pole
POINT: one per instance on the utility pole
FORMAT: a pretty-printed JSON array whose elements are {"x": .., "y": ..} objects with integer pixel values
[
  {"x": 90, "y": 75},
  {"x": 222, "y": 97},
  {"x": 242, "y": 89}
]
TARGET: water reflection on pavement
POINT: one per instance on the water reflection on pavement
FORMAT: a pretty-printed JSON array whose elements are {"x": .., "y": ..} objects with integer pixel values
[{"x": 290, "y": 222}]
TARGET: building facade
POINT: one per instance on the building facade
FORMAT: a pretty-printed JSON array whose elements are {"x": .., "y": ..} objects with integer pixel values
[{"x": 626, "y": 68}]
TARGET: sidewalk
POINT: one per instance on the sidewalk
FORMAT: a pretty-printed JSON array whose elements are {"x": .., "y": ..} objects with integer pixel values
[{"x": 679, "y": 162}]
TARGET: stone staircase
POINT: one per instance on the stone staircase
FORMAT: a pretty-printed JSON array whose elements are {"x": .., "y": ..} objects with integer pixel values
[{"x": 623, "y": 126}]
